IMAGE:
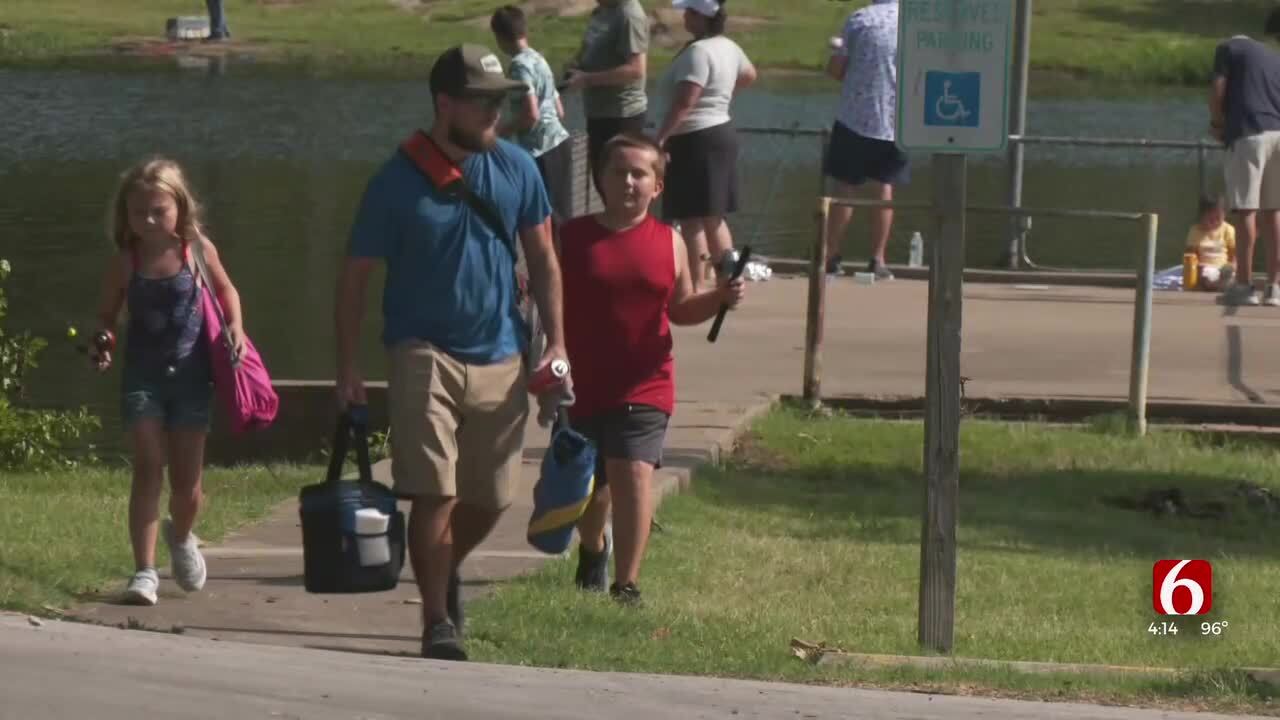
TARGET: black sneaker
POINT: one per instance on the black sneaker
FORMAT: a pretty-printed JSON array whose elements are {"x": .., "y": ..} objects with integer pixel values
[
  {"x": 880, "y": 270},
  {"x": 593, "y": 567},
  {"x": 441, "y": 642},
  {"x": 628, "y": 594},
  {"x": 833, "y": 264},
  {"x": 453, "y": 602}
]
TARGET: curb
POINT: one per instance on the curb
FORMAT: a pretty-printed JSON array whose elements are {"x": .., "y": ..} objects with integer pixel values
[
  {"x": 728, "y": 440},
  {"x": 681, "y": 478},
  {"x": 1267, "y": 676},
  {"x": 1065, "y": 409}
]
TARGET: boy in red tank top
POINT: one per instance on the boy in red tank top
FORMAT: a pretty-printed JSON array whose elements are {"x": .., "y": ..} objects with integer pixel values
[{"x": 626, "y": 280}]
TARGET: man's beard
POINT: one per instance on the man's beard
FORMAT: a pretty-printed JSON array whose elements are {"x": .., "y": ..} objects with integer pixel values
[{"x": 471, "y": 140}]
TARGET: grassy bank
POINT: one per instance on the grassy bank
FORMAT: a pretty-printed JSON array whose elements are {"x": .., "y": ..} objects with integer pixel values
[
  {"x": 1142, "y": 41},
  {"x": 813, "y": 530},
  {"x": 64, "y": 536}
]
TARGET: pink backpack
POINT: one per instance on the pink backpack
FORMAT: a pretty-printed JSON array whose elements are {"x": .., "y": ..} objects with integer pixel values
[{"x": 242, "y": 384}]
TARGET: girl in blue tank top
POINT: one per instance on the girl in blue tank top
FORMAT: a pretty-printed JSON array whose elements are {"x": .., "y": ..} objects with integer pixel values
[{"x": 167, "y": 382}]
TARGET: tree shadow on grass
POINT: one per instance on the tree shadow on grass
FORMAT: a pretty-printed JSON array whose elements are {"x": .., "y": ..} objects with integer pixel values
[
  {"x": 1204, "y": 18},
  {"x": 1056, "y": 510},
  {"x": 1214, "y": 683}
]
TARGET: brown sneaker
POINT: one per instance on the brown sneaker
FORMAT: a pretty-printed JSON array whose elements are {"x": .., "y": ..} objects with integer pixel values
[
  {"x": 628, "y": 595},
  {"x": 441, "y": 642}
]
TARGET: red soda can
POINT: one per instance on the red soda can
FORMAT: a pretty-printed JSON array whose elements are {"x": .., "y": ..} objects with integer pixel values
[{"x": 551, "y": 375}]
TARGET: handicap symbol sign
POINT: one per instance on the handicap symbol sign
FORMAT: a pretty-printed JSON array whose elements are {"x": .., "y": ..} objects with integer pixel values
[{"x": 952, "y": 99}]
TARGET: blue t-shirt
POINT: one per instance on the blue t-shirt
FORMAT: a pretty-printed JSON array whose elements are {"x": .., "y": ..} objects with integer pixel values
[
  {"x": 1252, "y": 72},
  {"x": 450, "y": 278}
]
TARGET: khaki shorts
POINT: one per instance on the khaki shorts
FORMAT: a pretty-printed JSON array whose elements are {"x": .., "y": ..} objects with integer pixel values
[
  {"x": 1252, "y": 172},
  {"x": 457, "y": 430}
]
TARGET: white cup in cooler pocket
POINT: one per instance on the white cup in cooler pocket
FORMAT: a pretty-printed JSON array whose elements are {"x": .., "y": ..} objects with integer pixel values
[{"x": 373, "y": 550}]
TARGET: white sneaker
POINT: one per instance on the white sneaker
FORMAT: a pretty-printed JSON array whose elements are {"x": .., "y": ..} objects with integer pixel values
[
  {"x": 142, "y": 588},
  {"x": 188, "y": 564},
  {"x": 1273, "y": 295}
]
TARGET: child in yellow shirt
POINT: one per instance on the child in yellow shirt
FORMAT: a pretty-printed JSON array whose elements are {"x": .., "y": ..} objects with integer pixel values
[{"x": 1214, "y": 242}]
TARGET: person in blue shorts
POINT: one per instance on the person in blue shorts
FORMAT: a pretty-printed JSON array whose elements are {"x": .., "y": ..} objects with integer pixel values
[{"x": 863, "y": 149}]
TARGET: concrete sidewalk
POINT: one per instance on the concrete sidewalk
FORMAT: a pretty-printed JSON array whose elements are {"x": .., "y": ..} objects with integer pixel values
[
  {"x": 1032, "y": 341},
  {"x": 255, "y": 591},
  {"x": 66, "y": 671}
]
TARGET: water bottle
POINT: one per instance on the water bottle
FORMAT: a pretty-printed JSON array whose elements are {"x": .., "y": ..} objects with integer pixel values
[{"x": 917, "y": 251}]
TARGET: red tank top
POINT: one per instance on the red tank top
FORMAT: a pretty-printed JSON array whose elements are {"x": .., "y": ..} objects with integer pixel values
[{"x": 616, "y": 289}]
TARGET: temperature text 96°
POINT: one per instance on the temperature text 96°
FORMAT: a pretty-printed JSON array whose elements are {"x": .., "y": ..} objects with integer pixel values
[{"x": 1213, "y": 628}]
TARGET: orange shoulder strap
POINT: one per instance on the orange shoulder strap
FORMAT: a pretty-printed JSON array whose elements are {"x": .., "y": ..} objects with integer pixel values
[{"x": 423, "y": 151}]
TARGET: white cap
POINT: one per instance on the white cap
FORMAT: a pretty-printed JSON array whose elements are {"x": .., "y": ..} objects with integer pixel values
[{"x": 705, "y": 8}]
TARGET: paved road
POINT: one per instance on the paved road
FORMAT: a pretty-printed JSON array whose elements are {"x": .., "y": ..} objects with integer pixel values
[{"x": 68, "y": 671}]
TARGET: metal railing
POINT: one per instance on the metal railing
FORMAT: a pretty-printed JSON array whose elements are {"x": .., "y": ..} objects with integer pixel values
[
  {"x": 1018, "y": 257},
  {"x": 1140, "y": 355}
]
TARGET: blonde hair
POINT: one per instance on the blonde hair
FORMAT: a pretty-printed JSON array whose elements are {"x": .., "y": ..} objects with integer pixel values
[{"x": 155, "y": 173}]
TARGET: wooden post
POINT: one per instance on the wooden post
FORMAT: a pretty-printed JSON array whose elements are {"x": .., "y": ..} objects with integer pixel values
[
  {"x": 817, "y": 303},
  {"x": 823, "y": 140},
  {"x": 1140, "y": 359},
  {"x": 942, "y": 408}
]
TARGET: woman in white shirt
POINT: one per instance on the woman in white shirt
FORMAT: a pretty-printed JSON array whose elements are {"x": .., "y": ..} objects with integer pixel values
[{"x": 702, "y": 177}]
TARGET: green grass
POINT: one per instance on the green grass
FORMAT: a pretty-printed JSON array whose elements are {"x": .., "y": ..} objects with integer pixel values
[
  {"x": 813, "y": 530},
  {"x": 64, "y": 535},
  {"x": 1147, "y": 41}
]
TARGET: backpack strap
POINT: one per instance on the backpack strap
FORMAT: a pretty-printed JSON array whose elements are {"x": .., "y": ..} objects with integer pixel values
[
  {"x": 446, "y": 176},
  {"x": 431, "y": 160}
]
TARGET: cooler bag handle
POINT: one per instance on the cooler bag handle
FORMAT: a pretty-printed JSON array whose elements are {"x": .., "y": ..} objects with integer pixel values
[{"x": 352, "y": 423}]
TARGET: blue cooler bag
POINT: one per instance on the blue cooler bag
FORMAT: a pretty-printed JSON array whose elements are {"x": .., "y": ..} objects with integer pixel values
[
  {"x": 330, "y": 547},
  {"x": 564, "y": 488}
]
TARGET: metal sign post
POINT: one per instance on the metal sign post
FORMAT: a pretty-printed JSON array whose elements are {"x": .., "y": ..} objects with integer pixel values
[{"x": 953, "y": 100}]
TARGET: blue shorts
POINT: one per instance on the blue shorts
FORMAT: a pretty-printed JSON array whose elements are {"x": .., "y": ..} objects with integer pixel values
[
  {"x": 181, "y": 401},
  {"x": 854, "y": 159}
]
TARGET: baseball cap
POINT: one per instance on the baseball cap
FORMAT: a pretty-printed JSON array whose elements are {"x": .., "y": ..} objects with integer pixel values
[
  {"x": 706, "y": 8},
  {"x": 470, "y": 69}
]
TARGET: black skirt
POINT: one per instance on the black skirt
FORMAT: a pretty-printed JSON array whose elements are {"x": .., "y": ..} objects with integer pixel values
[{"x": 702, "y": 177}]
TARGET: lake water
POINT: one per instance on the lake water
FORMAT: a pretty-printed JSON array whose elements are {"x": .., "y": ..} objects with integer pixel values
[{"x": 280, "y": 163}]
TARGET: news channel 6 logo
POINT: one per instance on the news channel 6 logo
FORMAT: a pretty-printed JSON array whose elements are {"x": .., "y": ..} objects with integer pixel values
[{"x": 1182, "y": 587}]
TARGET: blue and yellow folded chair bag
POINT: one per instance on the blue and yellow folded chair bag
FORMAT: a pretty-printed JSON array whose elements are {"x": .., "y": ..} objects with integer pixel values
[{"x": 563, "y": 490}]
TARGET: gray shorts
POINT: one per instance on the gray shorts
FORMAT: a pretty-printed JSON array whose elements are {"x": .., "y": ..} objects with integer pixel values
[{"x": 630, "y": 432}]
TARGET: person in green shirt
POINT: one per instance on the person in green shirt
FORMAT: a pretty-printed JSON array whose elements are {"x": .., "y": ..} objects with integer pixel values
[{"x": 610, "y": 70}]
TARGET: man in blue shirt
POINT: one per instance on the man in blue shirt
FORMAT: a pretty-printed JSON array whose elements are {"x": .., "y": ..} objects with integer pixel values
[
  {"x": 455, "y": 338},
  {"x": 1244, "y": 113}
]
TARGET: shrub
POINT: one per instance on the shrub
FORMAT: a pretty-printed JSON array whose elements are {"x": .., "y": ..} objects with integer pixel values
[{"x": 31, "y": 439}]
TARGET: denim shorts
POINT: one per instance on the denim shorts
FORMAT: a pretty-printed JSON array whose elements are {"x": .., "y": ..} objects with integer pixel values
[{"x": 181, "y": 401}]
